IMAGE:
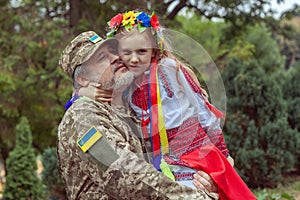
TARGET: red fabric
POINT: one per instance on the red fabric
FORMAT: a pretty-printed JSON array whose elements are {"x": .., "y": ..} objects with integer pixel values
[
  {"x": 214, "y": 110},
  {"x": 210, "y": 160}
]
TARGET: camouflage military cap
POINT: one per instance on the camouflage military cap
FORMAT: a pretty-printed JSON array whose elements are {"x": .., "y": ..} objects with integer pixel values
[{"x": 80, "y": 50}]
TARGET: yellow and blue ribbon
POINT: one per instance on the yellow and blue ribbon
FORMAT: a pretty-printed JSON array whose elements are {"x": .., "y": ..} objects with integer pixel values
[{"x": 158, "y": 133}]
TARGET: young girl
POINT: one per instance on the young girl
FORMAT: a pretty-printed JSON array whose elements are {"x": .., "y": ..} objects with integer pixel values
[{"x": 181, "y": 126}]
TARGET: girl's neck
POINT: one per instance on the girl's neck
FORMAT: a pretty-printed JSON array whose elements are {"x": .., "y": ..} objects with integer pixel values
[{"x": 139, "y": 81}]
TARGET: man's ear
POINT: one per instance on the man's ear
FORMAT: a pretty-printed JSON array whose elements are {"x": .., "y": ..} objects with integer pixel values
[{"x": 83, "y": 81}]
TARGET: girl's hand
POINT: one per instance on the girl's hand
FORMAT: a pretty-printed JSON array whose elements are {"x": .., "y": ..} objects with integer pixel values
[
  {"x": 203, "y": 181},
  {"x": 230, "y": 160},
  {"x": 94, "y": 91}
]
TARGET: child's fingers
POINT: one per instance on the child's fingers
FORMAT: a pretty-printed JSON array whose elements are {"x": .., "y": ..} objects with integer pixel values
[
  {"x": 103, "y": 93},
  {"x": 104, "y": 99},
  {"x": 95, "y": 84},
  {"x": 98, "y": 97},
  {"x": 100, "y": 94},
  {"x": 103, "y": 96}
]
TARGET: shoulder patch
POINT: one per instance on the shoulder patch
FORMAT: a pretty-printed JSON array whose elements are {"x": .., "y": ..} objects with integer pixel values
[
  {"x": 95, "y": 39},
  {"x": 89, "y": 139}
]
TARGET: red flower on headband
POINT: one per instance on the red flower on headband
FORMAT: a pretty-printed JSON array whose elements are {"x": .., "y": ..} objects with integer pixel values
[
  {"x": 154, "y": 22},
  {"x": 116, "y": 21}
]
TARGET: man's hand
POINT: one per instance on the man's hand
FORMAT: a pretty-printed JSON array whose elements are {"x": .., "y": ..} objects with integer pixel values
[
  {"x": 230, "y": 160},
  {"x": 203, "y": 181}
]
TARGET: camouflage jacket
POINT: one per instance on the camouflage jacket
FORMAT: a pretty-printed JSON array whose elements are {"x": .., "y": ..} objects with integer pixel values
[{"x": 129, "y": 176}]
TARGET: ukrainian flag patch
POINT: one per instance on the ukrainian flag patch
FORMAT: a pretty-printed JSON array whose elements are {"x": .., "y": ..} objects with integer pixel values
[
  {"x": 95, "y": 39},
  {"x": 89, "y": 139}
]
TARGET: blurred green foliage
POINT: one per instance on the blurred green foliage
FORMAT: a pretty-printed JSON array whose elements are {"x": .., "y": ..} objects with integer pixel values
[
  {"x": 257, "y": 55},
  {"x": 262, "y": 142}
]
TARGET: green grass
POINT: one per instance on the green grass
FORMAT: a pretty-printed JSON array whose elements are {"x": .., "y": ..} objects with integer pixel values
[{"x": 289, "y": 191}]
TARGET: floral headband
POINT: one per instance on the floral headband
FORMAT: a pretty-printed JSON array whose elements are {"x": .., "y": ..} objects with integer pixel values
[{"x": 141, "y": 19}]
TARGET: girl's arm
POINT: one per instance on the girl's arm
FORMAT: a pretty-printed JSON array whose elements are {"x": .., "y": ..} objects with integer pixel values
[
  {"x": 195, "y": 79},
  {"x": 94, "y": 91}
]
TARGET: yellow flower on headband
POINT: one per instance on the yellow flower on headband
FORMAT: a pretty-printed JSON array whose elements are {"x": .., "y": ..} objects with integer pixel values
[{"x": 129, "y": 18}]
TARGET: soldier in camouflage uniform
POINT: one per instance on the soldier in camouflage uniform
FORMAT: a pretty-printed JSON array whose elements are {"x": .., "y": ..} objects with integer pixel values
[{"x": 100, "y": 156}]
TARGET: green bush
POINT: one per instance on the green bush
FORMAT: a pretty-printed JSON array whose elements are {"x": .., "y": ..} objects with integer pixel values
[
  {"x": 22, "y": 182},
  {"x": 257, "y": 131},
  {"x": 292, "y": 95},
  {"x": 265, "y": 195}
]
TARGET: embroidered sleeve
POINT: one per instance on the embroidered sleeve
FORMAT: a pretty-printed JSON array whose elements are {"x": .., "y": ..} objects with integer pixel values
[{"x": 209, "y": 116}]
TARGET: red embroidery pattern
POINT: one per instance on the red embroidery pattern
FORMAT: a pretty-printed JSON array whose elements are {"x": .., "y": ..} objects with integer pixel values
[
  {"x": 186, "y": 138},
  {"x": 183, "y": 176},
  {"x": 216, "y": 137},
  {"x": 173, "y": 160},
  {"x": 190, "y": 80},
  {"x": 166, "y": 83}
]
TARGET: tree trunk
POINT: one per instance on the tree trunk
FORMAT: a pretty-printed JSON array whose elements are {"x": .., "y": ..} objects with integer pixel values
[
  {"x": 178, "y": 7},
  {"x": 74, "y": 12}
]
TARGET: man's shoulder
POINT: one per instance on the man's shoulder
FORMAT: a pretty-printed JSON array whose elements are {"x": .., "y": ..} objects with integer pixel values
[
  {"x": 81, "y": 112},
  {"x": 87, "y": 112},
  {"x": 85, "y": 105}
]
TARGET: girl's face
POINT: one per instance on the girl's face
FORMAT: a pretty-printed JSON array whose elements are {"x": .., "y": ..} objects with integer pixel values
[{"x": 136, "y": 51}]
